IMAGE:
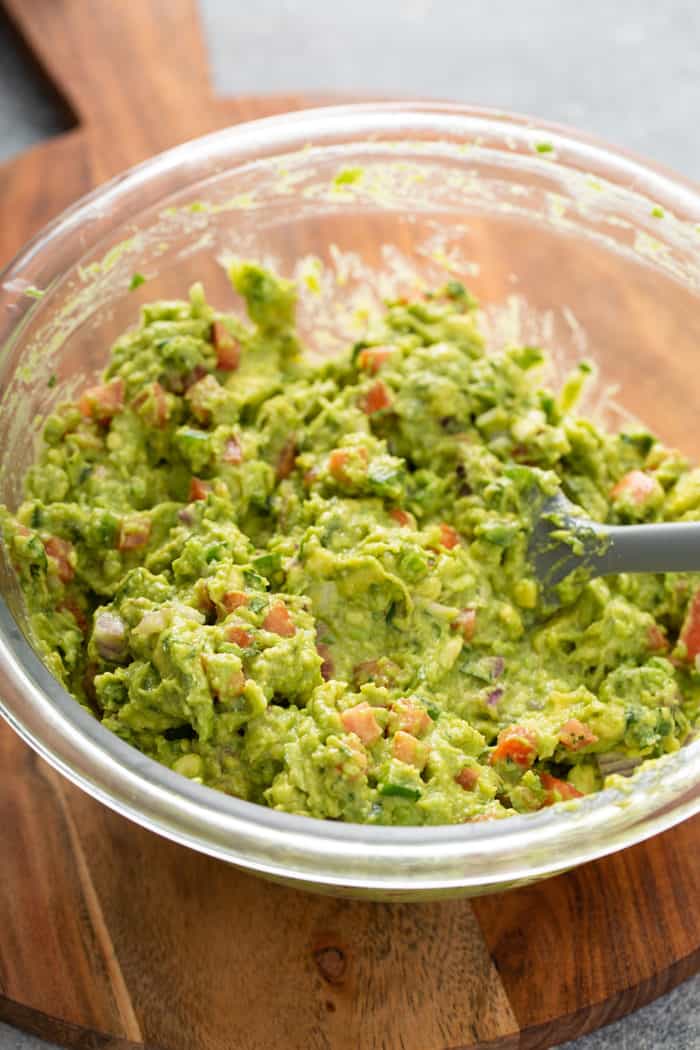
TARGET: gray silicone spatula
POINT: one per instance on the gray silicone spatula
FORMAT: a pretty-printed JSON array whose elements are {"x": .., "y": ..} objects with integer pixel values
[{"x": 563, "y": 543}]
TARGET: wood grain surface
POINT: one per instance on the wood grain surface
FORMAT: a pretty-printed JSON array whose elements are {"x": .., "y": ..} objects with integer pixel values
[{"x": 112, "y": 937}]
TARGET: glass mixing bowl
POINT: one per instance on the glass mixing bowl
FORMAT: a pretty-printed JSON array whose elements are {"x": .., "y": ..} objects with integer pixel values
[{"x": 563, "y": 240}]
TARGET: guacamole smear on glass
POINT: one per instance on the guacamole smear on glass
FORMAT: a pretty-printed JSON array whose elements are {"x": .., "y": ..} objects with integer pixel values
[{"x": 306, "y": 584}]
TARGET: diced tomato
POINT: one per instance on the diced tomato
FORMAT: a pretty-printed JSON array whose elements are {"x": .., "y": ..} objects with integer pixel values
[
  {"x": 76, "y": 612},
  {"x": 375, "y": 399},
  {"x": 162, "y": 411},
  {"x": 103, "y": 402},
  {"x": 402, "y": 517},
  {"x": 636, "y": 487},
  {"x": 339, "y": 459},
  {"x": 657, "y": 640},
  {"x": 224, "y": 686},
  {"x": 327, "y": 667},
  {"x": 198, "y": 489},
  {"x": 237, "y": 635},
  {"x": 134, "y": 533},
  {"x": 465, "y": 622},
  {"x": 690, "y": 632},
  {"x": 411, "y": 716},
  {"x": 233, "y": 453},
  {"x": 286, "y": 459},
  {"x": 372, "y": 358},
  {"x": 449, "y": 537},
  {"x": 228, "y": 350},
  {"x": 360, "y": 720},
  {"x": 406, "y": 748},
  {"x": 515, "y": 744},
  {"x": 279, "y": 621},
  {"x": 557, "y": 790},
  {"x": 468, "y": 778},
  {"x": 60, "y": 551},
  {"x": 574, "y": 735},
  {"x": 337, "y": 462},
  {"x": 233, "y": 600},
  {"x": 152, "y": 405}
]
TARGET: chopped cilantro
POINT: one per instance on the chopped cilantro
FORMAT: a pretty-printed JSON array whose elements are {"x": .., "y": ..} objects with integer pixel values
[{"x": 399, "y": 791}]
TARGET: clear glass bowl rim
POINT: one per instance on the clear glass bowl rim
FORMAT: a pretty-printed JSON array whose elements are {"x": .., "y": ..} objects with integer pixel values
[{"x": 331, "y": 855}]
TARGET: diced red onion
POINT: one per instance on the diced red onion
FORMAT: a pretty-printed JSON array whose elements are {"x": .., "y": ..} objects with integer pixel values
[
  {"x": 110, "y": 636},
  {"x": 497, "y": 666},
  {"x": 615, "y": 762},
  {"x": 197, "y": 373},
  {"x": 327, "y": 667},
  {"x": 322, "y": 630},
  {"x": 494, "y": 696},
  {"x": 186, "y": 516}
]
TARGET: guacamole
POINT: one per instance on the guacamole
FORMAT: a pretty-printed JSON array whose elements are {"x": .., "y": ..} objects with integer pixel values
[{"x": 306, "y": 585}]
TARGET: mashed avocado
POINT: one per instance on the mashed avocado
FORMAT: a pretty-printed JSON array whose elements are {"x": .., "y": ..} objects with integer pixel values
[{"x": 307, "y": 585}]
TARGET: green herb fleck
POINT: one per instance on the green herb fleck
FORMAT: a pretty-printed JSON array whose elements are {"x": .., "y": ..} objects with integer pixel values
[
  {"x": 254, "y": 579},
  {"x": 136, "y": 281},
  {"x": 357, "y": 349},
  {"x": 267, "y": 564},
  {"x": 348, "y": 176},
  {"x": 257, "y": 603},
  {"x": 528, "y": 356},
  {"x": 640, "y": 440},
  {"x": 399, "y": 791},
  {"x": 549, "y": 407},
  {"x": 455, "y": 290}
]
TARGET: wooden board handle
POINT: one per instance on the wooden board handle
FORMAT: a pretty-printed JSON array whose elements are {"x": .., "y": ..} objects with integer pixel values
[{"x": 135, "y": 72}]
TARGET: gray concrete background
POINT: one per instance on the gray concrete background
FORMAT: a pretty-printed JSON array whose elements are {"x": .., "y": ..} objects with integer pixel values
[
  {"x": 29, "y": 110},
  {"x": 628, "y": 71}
]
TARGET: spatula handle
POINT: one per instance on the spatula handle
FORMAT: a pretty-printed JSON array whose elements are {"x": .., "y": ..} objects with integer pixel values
[{"x": 666, "y": 547}]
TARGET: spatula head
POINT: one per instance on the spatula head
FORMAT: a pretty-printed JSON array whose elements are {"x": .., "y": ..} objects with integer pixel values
[{"x": 564, "y": 550}]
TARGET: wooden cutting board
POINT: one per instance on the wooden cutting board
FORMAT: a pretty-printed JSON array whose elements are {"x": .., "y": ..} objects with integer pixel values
[{"x": 111, "y": 937}]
